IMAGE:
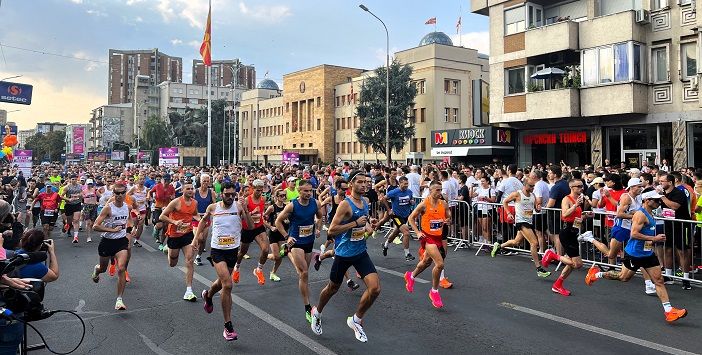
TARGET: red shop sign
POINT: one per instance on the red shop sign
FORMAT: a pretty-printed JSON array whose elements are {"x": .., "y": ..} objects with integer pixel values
[{"x": 555, "y": 138}]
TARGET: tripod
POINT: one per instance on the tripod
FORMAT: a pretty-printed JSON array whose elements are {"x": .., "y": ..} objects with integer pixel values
[{"x": 24, "y": 348}]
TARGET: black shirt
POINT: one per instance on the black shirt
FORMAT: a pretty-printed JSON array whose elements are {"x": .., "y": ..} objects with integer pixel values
[
  {"x": 559, "y": 190},
  {"x": 679, "y": 197}
]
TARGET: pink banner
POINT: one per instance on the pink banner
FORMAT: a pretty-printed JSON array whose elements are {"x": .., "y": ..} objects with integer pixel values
[
  {"x": 23, "y": 160},
  {"x": 78, "y": 140}
]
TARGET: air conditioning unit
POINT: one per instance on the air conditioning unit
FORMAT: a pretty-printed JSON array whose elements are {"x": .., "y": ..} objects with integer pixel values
[
  {"x": 695, "y": 83},
  {"x": 643, "y": 17}
]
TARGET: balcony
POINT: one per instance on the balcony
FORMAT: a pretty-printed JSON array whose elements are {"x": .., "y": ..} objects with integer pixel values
[
  {"x": 597, "y": 100},
  {"x": 552, "y": 38},
  {"x": 599, "y": 31},
  {"x": 555, "y": 103}
]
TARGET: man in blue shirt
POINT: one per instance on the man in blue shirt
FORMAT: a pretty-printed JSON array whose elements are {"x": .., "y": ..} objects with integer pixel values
[{"x": 402, "y": 204}]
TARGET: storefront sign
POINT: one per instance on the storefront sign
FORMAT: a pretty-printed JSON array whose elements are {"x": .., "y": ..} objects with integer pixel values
[
  {"x": 15, "y": 93},
  {"x": 556, "y": 138},
  {"x": 449, "y": 152},
  {"x": 460, "y": 137},
  {"x": 471, "y": 141}
]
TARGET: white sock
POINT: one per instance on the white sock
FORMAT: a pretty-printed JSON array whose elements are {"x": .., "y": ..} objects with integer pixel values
[
  {"x": 80, "y": 224},
  {"x": 119, "y": 298},
  {"x": 356, "y": 319},
  {"x": 442, "y": 275},
  {"x": 669, "y": 272},
  {"x": 189, "y": 289},
  {"x": 412, "y": 275},
  {"x": 407, "y": 252},
  {"x": 686, "y": 275},
  {"x": 434, "y": 290},
  {"x": 667, "y": 307},
  {"x": 321, "y": 249},
  {"x": 236, "y": 266},
  {"x": 649, "y": 283},
  {"x": 75, "y": 234},
  {"x": 260, "y": 266},
  {"x": 385, "y": 245},
  {"x": 599, "y": 275}
]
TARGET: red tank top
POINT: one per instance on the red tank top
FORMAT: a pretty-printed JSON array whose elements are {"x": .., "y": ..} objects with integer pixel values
[
  {"x": 577, "y": 214},
  {"x": 185, "y": 214},
  {"x": 610, "y": 207},
  {"x": 256, "y": 210}
]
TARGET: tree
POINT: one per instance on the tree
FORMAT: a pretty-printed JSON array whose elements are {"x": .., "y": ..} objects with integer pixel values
[
  {"x": 371, "y": 109},
  {"x": 191, "y": 128},
  {"x": 156, "y": 134},
  {"x": 47, "y": 147}
]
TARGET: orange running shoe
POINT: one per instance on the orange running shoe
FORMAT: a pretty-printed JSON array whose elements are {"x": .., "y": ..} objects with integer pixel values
[
  {"x": 112, "y": 270},
  {"x": 235, "y": 276},
  {"x": 675, "y": 314},
  {"x": 259, "y": 275},
  {"x": 445, "y": 283},
  {"x": 592, "y": 275}
]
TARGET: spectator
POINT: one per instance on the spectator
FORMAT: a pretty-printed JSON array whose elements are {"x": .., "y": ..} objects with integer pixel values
[{"x": 33, "y": 241}]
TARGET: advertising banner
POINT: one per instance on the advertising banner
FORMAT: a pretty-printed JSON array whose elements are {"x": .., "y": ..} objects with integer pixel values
[
  {"x": 78, "y": 140},
  {"x": 117, "y": 155},
  {"x": 15, "y": 93},
  {"x": 168, "y": 156},
  {"x": 144, "y": 156},
  {"x": 23, "y": 160},
  {"x": 291, "y": 158},
  {"x": 97, "y": 157}
]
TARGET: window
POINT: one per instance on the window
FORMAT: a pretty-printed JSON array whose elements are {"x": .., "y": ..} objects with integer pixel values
[
  {"x": 514, "y": 20},
  {"x": 422, "y": 114},
  {"x": 638, "y": 68},
  {"x": 455, "y": 115},
  {"x": 688, "y": 59},
  {"x": 348, "y": 147},
  {"x": 447, "y": 112},
  {"x": 192, "y": 101},
  {"x": 684, "y": 2},
  {"x": 319, "y": 124},
  {"x": 413, "y": 145},
  {"x": 451, "y": 86},
  {"x": 659, "y": 64},
  {"x": 337, "y": 101},
  {"x": 621, "y": 62},
  {"x": 421, "y": 86},
  {"x": 422, "y": 144},
  {"x": 413, "y": 117},
  {"x": 659, "y": 4},
  {"x": 606, "y": 68},
  {"x": 515, "y": 81}
]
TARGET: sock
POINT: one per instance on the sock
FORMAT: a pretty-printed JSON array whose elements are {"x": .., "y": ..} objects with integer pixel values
[
  {"x": 80, "y": 224},
  {"x": 189, "y": 289},
  {"x": 599, "y": 275},
  {"x": 434, "y": 290},
  {"x": 260, "y": 266},
  {"x": 412, "y": 275},
  {"x": 229, "y": 326},
  {"x": 442, "y": 275},
  {"x": 407, "y": 252},
  {"x": 385, "y": 245},
  {"x": 308, "y": 308},
  {"x": 686, "y": 275},
  {"x": 356, "y": 319},
  {"x": 667, "y": 307},
  {"x": 559, "y": 282},
  {"x": 321, "y": 249},
  {"x": 669, "y": 272},
  {"x": 649, "y": 283},
  {"x": 349, "y": 282},
  {"x": 236, "y": 266},
  {"x": 120, "y": 298}
]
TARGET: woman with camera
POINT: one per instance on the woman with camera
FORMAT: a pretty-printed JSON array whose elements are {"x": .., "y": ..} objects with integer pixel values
[{"x": 33, "y": 240}]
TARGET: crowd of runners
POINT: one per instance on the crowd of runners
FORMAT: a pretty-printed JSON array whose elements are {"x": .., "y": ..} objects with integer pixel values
[{"x": 285, "y": 209}]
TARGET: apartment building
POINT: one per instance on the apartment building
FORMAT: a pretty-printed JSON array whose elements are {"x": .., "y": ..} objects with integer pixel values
[
  {"x": 586, "y": 81},
  {"x": 125, "y": 65},
  {"x": 223, "y": 72},
  {"x": 46, "y": 127},
  {"x": 23, "y": 135},
  {"x": 109, "y": 124}
]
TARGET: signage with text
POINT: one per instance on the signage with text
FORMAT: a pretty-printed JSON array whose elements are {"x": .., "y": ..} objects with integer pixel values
[
  {"x": 15, "y": 93},
  {"x": 556, "y": 138},
  {"x": 473, "y": 137}
]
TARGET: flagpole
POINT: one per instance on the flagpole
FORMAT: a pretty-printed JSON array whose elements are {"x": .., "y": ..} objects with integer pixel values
[{"x": 209, "y": 98}]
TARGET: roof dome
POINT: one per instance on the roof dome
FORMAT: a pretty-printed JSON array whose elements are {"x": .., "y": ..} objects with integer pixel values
[
  {"x": 436, "y": 37},
  {"x": 267, "y": 84}
]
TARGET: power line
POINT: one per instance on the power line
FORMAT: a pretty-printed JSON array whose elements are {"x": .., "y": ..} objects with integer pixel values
[{"x": 53, "y": 54}]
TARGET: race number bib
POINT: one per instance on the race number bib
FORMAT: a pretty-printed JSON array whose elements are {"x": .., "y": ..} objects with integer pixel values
[
  {"x": 435, "y": 225},
  {"x": 184, "y": 228},
  {"x": 226, "y": 240},
  {"x": 648, "y": 245},
  {"x": 577, "y": 223},
  {"x": 49, "y": 213},
  {"x": 358, "y": 234},
  {"x": 404, "y": 200},
  {"x": 528, "y": 213},
  {"x": 305, "y": 231},
  {"x": 256, "y": 218}
]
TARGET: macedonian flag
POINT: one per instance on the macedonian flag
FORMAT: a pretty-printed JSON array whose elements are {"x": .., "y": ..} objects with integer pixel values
[{"x": 206, "y": 47}]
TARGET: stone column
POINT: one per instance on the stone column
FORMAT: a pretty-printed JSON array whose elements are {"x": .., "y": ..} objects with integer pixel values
[
  {"x": 596, "y": 146},
  {"x": 679, "y": 144}
]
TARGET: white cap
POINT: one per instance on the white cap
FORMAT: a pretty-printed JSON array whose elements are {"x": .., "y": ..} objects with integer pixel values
[
  {"x": 258, "y": 183},
  {"x": 650, "y": 195},
  {"x": 90, "y": 181},
  {"x": 633, "y": 182},
  {"x": 292, "y": 178}
]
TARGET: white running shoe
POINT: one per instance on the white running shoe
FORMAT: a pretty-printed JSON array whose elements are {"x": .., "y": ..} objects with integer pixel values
[
  {"x": 321, "y": 249},
  {"x": 586, "y": 237},
  {"x": 189, "y": 296},
  {"x": 357, "y": 329},
  {"x": 316, "y": 321},
  {"x": 651, "y": 289}
]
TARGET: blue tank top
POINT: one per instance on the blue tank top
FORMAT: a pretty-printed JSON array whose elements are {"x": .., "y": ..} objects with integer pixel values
[
  {"x": 353, "y": 241},
  {"x": 302, "y": 226},
  {"x": 642, "y": 248},
  {"x": 203, "y": 202}
]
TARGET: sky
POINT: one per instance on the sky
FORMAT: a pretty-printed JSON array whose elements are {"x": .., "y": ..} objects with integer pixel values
[{"x": 277, "y": 36}]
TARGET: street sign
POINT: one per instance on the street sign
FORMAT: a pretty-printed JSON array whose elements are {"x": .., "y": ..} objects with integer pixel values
[
  {"x": 133, "y": 151},
  {"x": 15, "y": 93}
]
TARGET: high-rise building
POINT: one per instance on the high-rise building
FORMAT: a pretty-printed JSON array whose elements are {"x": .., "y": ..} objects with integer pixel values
[
  {"x": 125, "y": 65},
  {"x": 223, "y": 74},
  {"x": 46, "y": 127},
  {"x": 23, "y": 135},
  {"x": 110, "y": 124}
]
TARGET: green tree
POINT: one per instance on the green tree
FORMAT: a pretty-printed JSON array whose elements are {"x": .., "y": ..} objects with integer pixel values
[
  {"x": 191, "y": 128},
  {"x": 156, "y": 134},
  {"x": 371, "y": 109},
  {"x": 47, "y": 147}
]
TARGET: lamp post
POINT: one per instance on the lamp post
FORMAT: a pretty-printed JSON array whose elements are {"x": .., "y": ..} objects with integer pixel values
[{"x": 387, "y": 86}]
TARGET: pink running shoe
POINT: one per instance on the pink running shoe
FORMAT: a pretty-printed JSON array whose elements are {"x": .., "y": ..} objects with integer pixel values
[
  {"x": 209, "y": 307},
  {"x": 435, "y": 299},
  {"x": 229, "y": 336},
  {"x": 409, "y": 282}
]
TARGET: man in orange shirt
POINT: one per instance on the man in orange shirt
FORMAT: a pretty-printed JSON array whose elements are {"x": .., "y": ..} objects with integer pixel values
[{"x": 179, "y": 214}]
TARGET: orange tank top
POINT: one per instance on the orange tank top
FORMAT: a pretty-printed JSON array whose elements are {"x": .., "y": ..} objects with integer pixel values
[
  {"x": 432, "y": 219},
  {"x": 578, "y": 213},
  {"x": 185, "y": 214}
]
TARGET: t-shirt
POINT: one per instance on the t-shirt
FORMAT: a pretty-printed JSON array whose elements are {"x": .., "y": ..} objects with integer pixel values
[
  {"x": 163, "y": 195},
  {"x": 481, "y": 203},
  {"x": 401, "y": 202},
  {"x": 32, "y": 271},
  {"x": 509, "y": 186},
  {"x": 450, "y": 190},
  {"x": 465, "y": 193},
  {"x": 149, "y": 183},
  {"x": 414, "y": 180},
  {"x": 698, "y": 216},
  {"x": 541, "y": 191},
  {"x": 679, "y": 197},
  {"x": 559, "y": 190}
]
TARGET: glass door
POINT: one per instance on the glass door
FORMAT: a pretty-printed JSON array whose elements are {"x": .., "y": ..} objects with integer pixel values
[
  {"x": 535, "y": 15},
  {"x": 635, "y": 158}
]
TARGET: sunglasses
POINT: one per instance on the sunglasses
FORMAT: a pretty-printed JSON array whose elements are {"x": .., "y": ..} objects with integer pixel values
[
  {"x": 578, "y": 186},
  {"x": 282, "y": 196},
  {"x": 120, "y": 192},
  {"x": 229, "y": 194}
]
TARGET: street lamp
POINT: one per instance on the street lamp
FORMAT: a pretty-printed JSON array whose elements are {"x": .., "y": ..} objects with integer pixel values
[
  {"x": 232, "y": 113},
  {"x": 10, "y": 77},
  {"x": 387, "y": 85}
]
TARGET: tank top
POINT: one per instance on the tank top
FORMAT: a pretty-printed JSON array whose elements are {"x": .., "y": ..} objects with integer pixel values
[
  {"x": 106, "y": 195},
  {"x": 273, "y": 216},
  {"x": 524, "y": 209},
  {"x": 610, "y": 207},
  {"x": 432, "y": 220},
  {"x": 291, "y": 195},
  {"x": 118, "y": 217},
  {"x": 185, "y": 214},
  {"x": 302, "y": 226},
  {"x": 634, "y": 206},
  {"x": 353, "y": 241},
  {"x": 577, "y": 214},
  {"x": 226, "y": 227},
  {"x": 140, "y": 198},
  {"x": 203, "y": 202},
  {"x": 89, "y": 197},
  {"x": 642, "y": 248},
  {"x": 334, "y": 207},
  {"x": 256, "y": 210}
]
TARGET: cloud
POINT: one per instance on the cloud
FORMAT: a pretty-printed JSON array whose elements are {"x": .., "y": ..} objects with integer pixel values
[
  {"x": 195, "y": 12},
  {"x": 97, "y": 13},
  {"x": 176, "y": 41},
  {"x": 77, "y": 1},
  {"x": 138, "y": 19},
  {"x": 475, "y": 40},
  {"x": 264, "y": 13},
  {"x": 89, "y": 66},
  {"x": 132, "y": 2},
  {"x": 195, "y": 44}
]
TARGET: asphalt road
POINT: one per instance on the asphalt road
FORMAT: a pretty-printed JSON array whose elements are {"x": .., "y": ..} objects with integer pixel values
[{"x": 497, "y": 305}]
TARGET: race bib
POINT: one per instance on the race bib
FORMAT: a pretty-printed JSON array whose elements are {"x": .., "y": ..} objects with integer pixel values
[
  {"x": 528, "y": 213},
  {"x": 305, "y": 231},
  {"x": 577, "y": 223},
  {"x": 226, "y": 240},
  {"x": 184, "y": 228},
  {"x": 610, "y": 217},
  {"x": 648, "y": 245},
  {"x": 435, "y": 225},
  {"x": 358, "y": 234},
  {"x": 49, "y": 213},
  {"x": 256, "y": 218},
  {"x": 404, "y": 200}
]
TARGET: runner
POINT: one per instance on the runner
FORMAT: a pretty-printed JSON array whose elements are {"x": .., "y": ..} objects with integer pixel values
[
  {"x": 162, "y": 194},
  {"x": 275, "y": 237},
  {"x": 256, "y": 205},
  {"x": 225, "y": 218},
  {"x": 611, "y": 195},
  {"x": 49, "y": 204},
  {"x": 89, "y": 213},
  {"x": 351, "y": 227},
  {"x": 305, "y": 218},
  {"x": 138, "y": 194},
  {"x": 638, "y": 253},
  {"x": 73, "y": 195},
  {"x": 112, "y": 221},
  {"x": 202, "y": 203},
  {"x": 524, "y": 207},
  {"x": 179, "y": 214},
  {"x": 402, "y": 202}
]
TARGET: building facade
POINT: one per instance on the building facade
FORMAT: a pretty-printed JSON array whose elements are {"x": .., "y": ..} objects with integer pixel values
[
  {"x": 126, "y": 65},
  {"x": 262, "y": 110},
  {"x": 110, "y": 124},
  {"x": 579, "y": 91},
  {"x": 46, "y": 127},
  {"x": 23, "y": 135},
  {"x": 222, "y": 74}
]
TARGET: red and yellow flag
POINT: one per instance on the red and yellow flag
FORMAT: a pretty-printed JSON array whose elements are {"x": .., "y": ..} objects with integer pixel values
[{"x": 206, "y": 47}]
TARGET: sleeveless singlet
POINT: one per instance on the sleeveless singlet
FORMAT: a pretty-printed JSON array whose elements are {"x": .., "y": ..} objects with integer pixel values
[
  {"x": 256, "y": 210},
  {"x": 578, "y": 214},
  {"x": 118, "y": 217},
  {"x": 634, "y": 206},
  {"x": 203, "y": 202},
  {"x": 432, "y": 220},
  {"x": 524, "y": 209},
  {"x": 353, "y": 241},
  {"x": 185, "y": 214},
  {"x": 302, "y": 226},
  {"x": 226, "y": 227},
  {"x": 642, "y": 248}
]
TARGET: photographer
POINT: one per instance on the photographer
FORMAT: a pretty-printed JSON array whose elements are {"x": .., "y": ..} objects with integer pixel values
[{"x": 33, "y": 240}]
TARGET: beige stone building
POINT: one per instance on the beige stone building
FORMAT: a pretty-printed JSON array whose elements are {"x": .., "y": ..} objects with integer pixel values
[{"x": 629, "y": 91}]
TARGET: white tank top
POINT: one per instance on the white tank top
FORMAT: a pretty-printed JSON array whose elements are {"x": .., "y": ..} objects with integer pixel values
[
  {"x": 140, "y": 198},
  {"x": 105, "y": 197},
  {"x": 118, "y": 217},
  {"x": 634, "y": 206},
  {"x": 226, "y": 227},
  {"x": 524, "y": 209}
]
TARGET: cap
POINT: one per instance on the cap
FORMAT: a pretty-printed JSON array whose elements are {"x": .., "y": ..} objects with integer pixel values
[
  {"x": 634, "y": 171},
  {"x": 90, "y": 182},
  {"x": 651, "y": 195},
  {"x": 166, "y": 176},
  {"x": 633, "y": 182},
  {"x": 292, "y": 178},
  {"x": 598, "y": 180}
]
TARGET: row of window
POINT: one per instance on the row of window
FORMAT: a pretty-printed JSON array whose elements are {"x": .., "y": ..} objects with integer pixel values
[
  {"x": 451, "y": 114},
  {"x": 302, "y": 145},
  {"x": 451, "y": 86},
  {"x": 422, "y": 115},
  {"x": 352, "y": 148},
  {"x": 347, "y": 123},
  {"x": 418, "y": 144},
  {"x": 344, "y": 100}
]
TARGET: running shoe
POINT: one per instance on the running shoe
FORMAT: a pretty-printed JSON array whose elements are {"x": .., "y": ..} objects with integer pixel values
[
  {"x": 409, "y": 257},
  {"x": 198, "y": 260},
  {"x": 160, "y": 247},
  {"x": 75, "y": 240},
  {"x": 284, "y": 250},
  {"x": 126, "y": 276},
  {"x": 89, "y": 240},
  {"x": 165, "y": 249},
  {"x": 541, "y": 272},
  {"x": 357, "y": 329},
  {"x": 119, "y": 305},
  {"x": 316, "y": 323},
  {"x": 259, "y": 275},
  {"x": 560, "y": 289},
  {"x": 95, "y": 276},
  {"x": 308, "y": 316},
  {"x": 385, "y": 251},
  {"x": 189, "y": 296},
  {"x": 352, "y": 285},
  {"x": 445, "y": 283},
  {"x": 247, "y": 257},
  {"x": 686, "y": 285},
  {"x": 274, "y": 277},
  {"x": 435, "y": 299},
  {"x": 317, "y": 262},
  {"x": 322, "y": 248},
  {"x": 137, "y": 244},
  {"x": 679, "y": 272},
  {"x": 235, "y": 276},
  {"x": 495, "y": 249},
  {"x": 112, "y": 269},
  {"x": 409, "y": 282},
  {"x": 65, "y": 228},
  {"x": 675, "y": 314},
  {"x": 650, "y": 289},
  {"x": 592, "y": 275},
  {"x": 668, "y": 281},
  {"x": 230, "y": 335},
  {"x": 548, "y": 257},
  {"x": 208, "y": 306}
]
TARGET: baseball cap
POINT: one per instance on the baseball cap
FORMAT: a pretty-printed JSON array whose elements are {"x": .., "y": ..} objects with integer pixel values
[
  {"x": 90, "y": 182},
  {"x": 166, "y": 176},
  {"x": 292, "y": 178},
  {"x": 651, "y": 195},
  {"x": 633, "y": 182},
  {"x": 258, "y": 183},
  {"x": 598, "y": 180}
]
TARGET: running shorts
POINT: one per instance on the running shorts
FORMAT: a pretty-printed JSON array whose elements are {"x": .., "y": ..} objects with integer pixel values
[
  {"x": 569, "y": 239},
  {"x": 110, "y": 247},
  {"x": 248, "y": 235},
  {"x": 633, "y": 263},
  {"x": 229, "y": 256},
  {"x": 179, "y": 242},
  {"x": 361, "y": 262}
]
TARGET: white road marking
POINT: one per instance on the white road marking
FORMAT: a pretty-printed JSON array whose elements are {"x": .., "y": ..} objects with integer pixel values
[
  {"x": 597, "y": 330},
  {"x": 274, "y": 322},
  {"x": 147, "y": 247},
  {"x": 397, "y": 273}
]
